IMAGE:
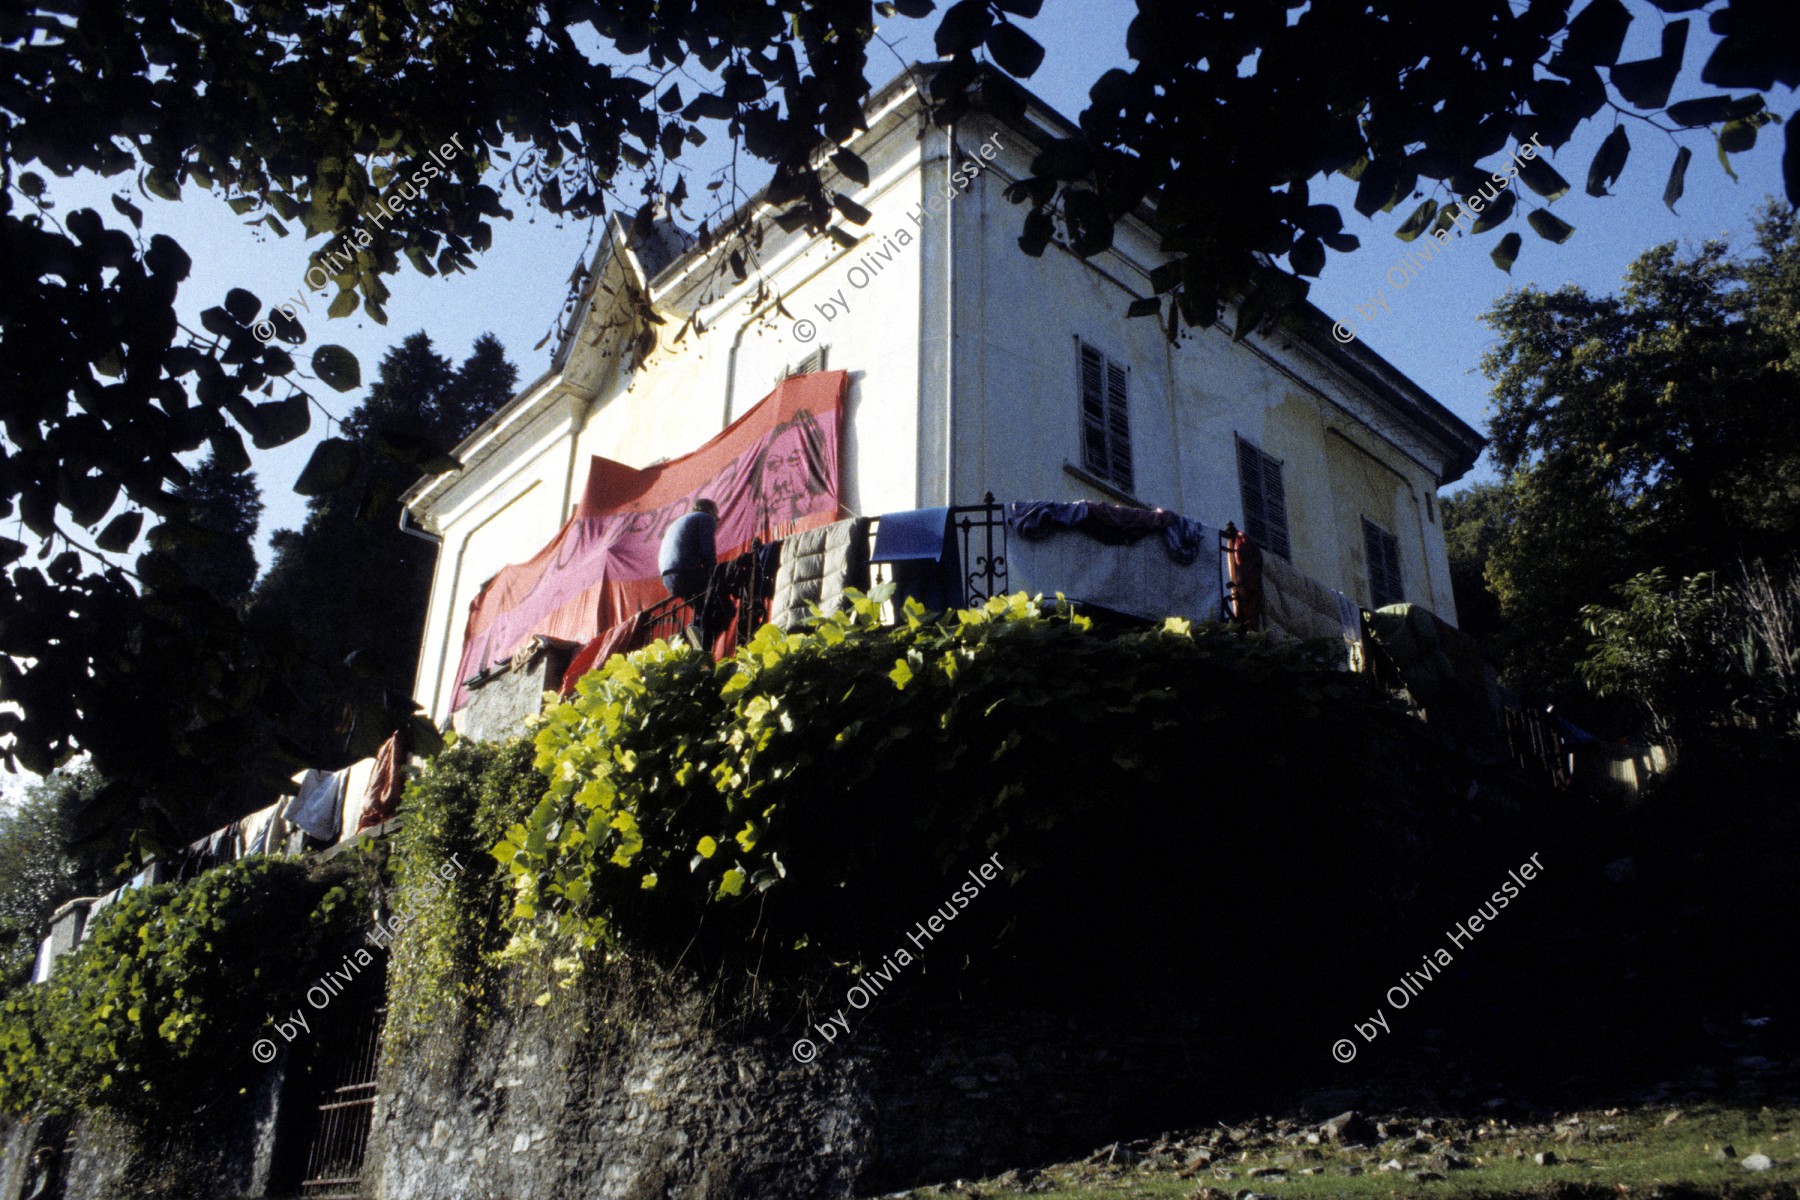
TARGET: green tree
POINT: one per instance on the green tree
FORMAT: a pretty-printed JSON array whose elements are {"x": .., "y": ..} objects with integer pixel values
[
  {"x": 1656, "y": 428},
  {"x": 37, "y": 870},
  {"x": 216, "y": 548},
  {"x": 340, "y": 115},
  {"x": 1474, "y": 520},
  {"x": 349, "y": 581},
  {"x": 1664, "y": 648}
]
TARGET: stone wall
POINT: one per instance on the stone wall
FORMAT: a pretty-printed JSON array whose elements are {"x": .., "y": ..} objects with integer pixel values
[
  {"x": 611, "y": 1098},
  {"x": 226, "y": 1156}
]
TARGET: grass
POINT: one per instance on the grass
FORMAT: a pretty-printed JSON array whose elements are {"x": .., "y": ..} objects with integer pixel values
[{"x": 1658, "y": 1151}]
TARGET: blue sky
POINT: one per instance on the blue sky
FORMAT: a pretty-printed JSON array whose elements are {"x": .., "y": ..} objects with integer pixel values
[{"x": 1431, "y": 331}]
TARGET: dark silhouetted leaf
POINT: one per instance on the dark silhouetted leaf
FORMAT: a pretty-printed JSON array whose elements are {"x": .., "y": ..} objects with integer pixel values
[
  {"x": 853, "y": 212},
  {"x": 337, "y": 367},
  {"x": 852, "y": 166},
  {"x": 1646, "y": 83},
  {"x": 1307, "y": 257},
  {"x": 1737, "y": 137},
  {"x": 1495, "y": 212},
  {"x": 1015, "y": 51},
  {"x": 1550, "y": 226},
  {"x": 1677, "y": 177},
  {"x": 242, "y": 305},
  {"x": 120, "y": 532},
  {"x": 333, "y": 462},
  {"x": 1507, "y": 252},
  {"x": 1420, "y": 220},
  {"x": 1376, "y": 186},
  {"x": 1543, "y": 178},
  {"x": 1609, "y": 160},
  {"x": 1597, "y": 33},
  {"x": 963, "y": 27},
  {"x": 1712, "y": 110}
]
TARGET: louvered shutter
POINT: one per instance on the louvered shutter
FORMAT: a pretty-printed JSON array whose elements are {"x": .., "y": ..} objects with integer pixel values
[
  {"x": 1118, "y": 427},
  {"x": 1383, "y": 552},
  {"x": 1265, "y": 500},
  {"x": 1093, "y": 411}
]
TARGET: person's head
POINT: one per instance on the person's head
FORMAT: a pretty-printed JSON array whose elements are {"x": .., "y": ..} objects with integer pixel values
[{"x": 706, "y": 506}]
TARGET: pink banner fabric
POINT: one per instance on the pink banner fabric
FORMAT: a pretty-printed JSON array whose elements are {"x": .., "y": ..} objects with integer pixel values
[{"x": 773, "y": 472}]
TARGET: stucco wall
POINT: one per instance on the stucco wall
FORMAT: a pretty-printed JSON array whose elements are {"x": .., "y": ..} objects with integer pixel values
[
  {"x": 962, "y": 354},
  {"x": 689, "y": 388},
  {"x": 1018, "y": 401}
]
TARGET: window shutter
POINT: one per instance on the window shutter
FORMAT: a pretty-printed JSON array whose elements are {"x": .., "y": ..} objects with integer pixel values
[
  {"x": 806, "y": 366},
  {"x": 1274, "y": 506},
  {"x": 1265, "y": 501},
  {"x": 1383, "y": 552},
  {"x": 1118, "y": 426},
  {"x": 1093, "y": 412}
]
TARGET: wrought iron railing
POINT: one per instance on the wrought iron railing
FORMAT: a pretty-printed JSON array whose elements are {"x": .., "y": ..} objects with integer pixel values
[{"x": 981, "y": 529}]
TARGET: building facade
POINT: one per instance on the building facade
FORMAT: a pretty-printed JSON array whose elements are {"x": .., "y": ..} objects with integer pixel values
[{"x": 974, "y": 369}]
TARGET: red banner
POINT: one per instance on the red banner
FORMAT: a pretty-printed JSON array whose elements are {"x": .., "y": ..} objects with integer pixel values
[{"x": 772, "y": 472}]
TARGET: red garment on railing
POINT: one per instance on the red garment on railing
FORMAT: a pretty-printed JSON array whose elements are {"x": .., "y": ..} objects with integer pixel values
[
  {"x": 383, "y": 799},
  {"x": 633, "y": 633},
  {"x": 772, "y": 472},
  {"x": 1246, "y": 580}
]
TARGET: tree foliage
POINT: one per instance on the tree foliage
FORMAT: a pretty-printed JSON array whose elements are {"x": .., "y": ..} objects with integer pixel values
[
  {"x": 1474, "y": 520},
  {"x": 1656, "y": 428},
  {"x": 37, "y": 872},
  {"x": 1701, "y": 654},
  {"x": 349, "y": 581},
  {"x": 215, "y": 547},
  {"x": 391, "y": 132}
]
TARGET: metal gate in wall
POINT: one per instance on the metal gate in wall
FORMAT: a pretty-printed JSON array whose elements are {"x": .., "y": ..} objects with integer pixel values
[{"x": 344, "y": 1091}]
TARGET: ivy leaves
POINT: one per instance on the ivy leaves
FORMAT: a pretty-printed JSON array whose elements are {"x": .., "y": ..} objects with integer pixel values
[
  {"x": 809, "y": 791},
  {"x": 154, "y": 1014}
]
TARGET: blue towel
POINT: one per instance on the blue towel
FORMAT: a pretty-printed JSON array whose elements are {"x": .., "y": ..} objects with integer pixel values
[
  {"x": 918, "y": 533},
  {"x": 318, "y": 808}
]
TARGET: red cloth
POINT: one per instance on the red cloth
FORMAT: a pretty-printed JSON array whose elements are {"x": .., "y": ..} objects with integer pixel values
[
  {"x": 773, "y": 471},
  {"x": 633, "y": 633},
  {"x": 384, "y": 785},
  {"x": 1246, "y": 580}
]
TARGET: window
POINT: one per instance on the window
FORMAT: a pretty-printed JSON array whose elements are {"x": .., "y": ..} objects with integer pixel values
[
  {"x": 1105, "y": 423},
  {"x": 806, "y": 366},
  {"x": 1383, "y": 550},
  {"x": 1265, "y": 503}
]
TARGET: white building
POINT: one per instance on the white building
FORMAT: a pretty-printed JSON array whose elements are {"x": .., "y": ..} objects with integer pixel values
[{"x": 974, "y": 368}]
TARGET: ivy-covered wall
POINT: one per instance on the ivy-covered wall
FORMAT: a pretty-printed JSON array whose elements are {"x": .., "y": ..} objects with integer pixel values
[
  {"x": 1119, "y": 842},
  {"x": 143, "y": 1037}
]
